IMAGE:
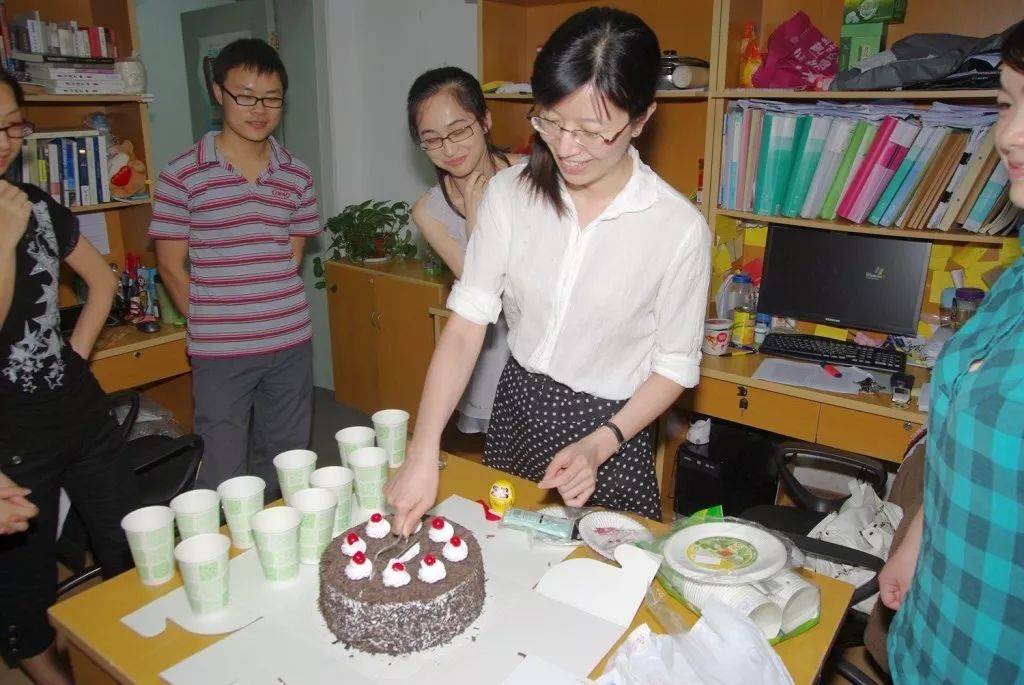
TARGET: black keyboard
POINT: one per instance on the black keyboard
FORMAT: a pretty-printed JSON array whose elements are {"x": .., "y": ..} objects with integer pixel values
[{"x": 818, "y": 349}]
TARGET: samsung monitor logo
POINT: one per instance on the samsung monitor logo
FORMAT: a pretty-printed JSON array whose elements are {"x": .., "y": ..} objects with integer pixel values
[{"x": 877, "y": 275}]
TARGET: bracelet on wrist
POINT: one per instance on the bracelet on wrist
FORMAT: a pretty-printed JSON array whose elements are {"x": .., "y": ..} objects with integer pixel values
[{"x": 619, "y": 437}]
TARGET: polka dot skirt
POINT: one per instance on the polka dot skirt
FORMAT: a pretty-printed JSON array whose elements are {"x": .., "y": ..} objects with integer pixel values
[{"x": 534, "y": 417}]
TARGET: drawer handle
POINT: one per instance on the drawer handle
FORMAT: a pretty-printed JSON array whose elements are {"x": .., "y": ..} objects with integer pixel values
[
  {"x": 741, "y": 391},
  {"x": 137, "y": 354},
  {"x": 907, "y": 426}
]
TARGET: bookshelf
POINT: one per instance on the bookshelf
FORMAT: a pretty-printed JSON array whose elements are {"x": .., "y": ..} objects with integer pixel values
[{"x": 127, "y": 222}]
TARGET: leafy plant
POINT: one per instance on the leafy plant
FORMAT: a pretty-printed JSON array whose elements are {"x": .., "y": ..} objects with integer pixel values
[{"x": 367, "y": 230}]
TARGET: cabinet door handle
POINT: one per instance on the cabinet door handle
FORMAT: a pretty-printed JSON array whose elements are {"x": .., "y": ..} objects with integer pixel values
[{"x": 373, "y": 319}]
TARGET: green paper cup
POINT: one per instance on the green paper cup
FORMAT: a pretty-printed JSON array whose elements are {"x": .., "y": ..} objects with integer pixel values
[
  {"x": 316, "y": 506},
  {"x": 196, "y": 512},
  {"x": 277, "y": 541},
  {"x": 293, "y": 469},
  {"x": 150, "y": 532},
  {"x": 352, "y": 438},
  {"x": 203, "y": 562},
  {"x": 338, "y": 480},
  {"x": 241, "y": 497},
  {"x": 392, "y": 428},
  {"x": 370, "y": 466}
]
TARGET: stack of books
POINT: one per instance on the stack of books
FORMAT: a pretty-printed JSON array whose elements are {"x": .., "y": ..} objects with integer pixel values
[
  {"x": 69, "y": 164},
  {"x": 889, "y": 165},
  {"x": 61, "y": 57}
]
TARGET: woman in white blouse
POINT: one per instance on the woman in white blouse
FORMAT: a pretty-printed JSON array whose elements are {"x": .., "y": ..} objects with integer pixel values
[{"x": 601, "y": 269}]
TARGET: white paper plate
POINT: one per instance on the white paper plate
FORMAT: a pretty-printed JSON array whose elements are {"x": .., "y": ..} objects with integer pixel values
[
  {"x": 603, "y": 531},
  {"x": 725, "y": 552}
]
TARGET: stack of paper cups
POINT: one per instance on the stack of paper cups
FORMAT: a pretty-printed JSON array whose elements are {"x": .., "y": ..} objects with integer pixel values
[
  {"x": 241, "y": 497},
  {"x": 196, "y": 512},
  {"x": 317, "y": 508},
  {"x": 392, "y": 428},
  {"x": 352, "y": 438},
  {"x": 150, "y": 532},
  {"x": 203, "y": 562},
  {"x": 293, "y": 469},
  {"x": 337, "y": 479},
  {"x": 277, "y": 541},
  {"x": 370, "y": 466}
]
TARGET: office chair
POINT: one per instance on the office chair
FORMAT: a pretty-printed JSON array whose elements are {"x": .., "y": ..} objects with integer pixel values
[
  {"x": 796, "y": 522},
  {"x": 165, "y": 467}
]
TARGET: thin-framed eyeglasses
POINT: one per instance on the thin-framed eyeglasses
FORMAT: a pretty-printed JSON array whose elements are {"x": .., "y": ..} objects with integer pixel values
[
  {"x": 456, "y": 136},
  {"x": 550, "y": 130},
  {"x": 19, "y": 129},
  {"x": 273, "y": 102}
]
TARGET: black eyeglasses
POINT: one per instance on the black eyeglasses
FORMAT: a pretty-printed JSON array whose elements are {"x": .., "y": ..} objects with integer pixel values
[
  {"x": 20, "y": 129},
  {"x": 251, "y": 100},
  {"x": 550, "y": 130},
  {"x": 456, "y": 136}
]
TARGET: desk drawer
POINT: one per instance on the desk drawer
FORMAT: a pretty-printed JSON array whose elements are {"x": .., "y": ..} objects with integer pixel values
[
  {"x": 767, "y": 410},
  {"x": 876, "y": 436},
  {"x": 132, "y": 369}
]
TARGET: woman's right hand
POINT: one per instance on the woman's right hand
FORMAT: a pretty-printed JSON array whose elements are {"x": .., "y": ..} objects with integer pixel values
[
  {"x": 15, "y": 509},
  {"x": 15, "y": 209},
  {"x": 412, "y": 490}
]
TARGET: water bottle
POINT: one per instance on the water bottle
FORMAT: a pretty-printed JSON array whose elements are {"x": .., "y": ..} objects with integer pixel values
[{"x": 742, "y": 305}]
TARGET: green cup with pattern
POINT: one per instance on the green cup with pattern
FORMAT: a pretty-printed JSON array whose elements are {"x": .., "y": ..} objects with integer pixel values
[
  {"x": 370, "y": 466},
  {"x": 241, "y": 497},
  {"x": 196, "y": 512},
  {"x": 277, "y": 541},
  {"x": 316, "y": 506},
  {"x": 150, "y": 532},
  {"x": 293, "y": 469},
  {"x": 392, "y": 428},
  {"x": 339, "y": 480},
  {"x": 352, "y": 438},
  {"x": 203, "y": 562}
]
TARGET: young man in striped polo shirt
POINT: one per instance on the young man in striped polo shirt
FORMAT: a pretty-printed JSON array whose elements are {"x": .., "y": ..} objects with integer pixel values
[{"x": 239, "y": 208}]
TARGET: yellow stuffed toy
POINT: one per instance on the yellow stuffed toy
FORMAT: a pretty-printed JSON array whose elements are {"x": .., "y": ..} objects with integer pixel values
[{"x": 127, "y": 174}]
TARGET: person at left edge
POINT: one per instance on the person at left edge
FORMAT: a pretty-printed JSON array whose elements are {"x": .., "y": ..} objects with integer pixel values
[
  {"x": 239, "y": 207},
  {"x": 57, "y": 426}
]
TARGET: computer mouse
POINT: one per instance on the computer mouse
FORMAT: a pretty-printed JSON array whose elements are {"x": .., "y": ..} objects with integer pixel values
[{"x": 148, "y": 326}]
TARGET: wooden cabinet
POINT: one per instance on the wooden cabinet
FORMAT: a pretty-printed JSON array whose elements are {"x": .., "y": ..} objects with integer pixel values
[
  {"x": 382, "y": 333},
  {"x": 876, "y": 436},
  {"x": 792, "y": 416}
]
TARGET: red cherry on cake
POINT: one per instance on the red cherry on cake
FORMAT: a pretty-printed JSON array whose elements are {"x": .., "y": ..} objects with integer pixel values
[
  {"x": 398, "y": 566},
  {"x": 376, "y": 518},
  {"x": 456, "y": 541},
  {"x": 359, "y": 558},
  {"x": 352, "y": 538},
  {"x": 437, "y": 523},
  {"x": 430, "y": 560}
]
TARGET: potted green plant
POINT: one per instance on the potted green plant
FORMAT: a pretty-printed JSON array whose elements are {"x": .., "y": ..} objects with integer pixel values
[{"x": 368, "y": 230}]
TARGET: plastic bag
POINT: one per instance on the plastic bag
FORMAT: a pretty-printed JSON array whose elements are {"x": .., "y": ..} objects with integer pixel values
[
  {"x": 153, "y": 419},
  {"x": 799, "y": 57}
]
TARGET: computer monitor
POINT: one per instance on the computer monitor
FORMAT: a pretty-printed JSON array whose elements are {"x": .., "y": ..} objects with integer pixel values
[{"x": 844, "y": 279}]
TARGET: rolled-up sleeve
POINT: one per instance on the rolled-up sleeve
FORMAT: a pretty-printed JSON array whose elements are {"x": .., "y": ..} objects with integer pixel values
[
  {"x": 477, "y": 295},
  {"x": 681, "y": 308}
]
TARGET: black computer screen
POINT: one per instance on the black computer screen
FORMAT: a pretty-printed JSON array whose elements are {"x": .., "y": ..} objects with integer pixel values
[{"x": 844, "y": 279}]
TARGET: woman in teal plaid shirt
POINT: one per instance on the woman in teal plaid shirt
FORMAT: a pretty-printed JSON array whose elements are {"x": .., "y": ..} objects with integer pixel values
[{"x": 958, "y": 578}]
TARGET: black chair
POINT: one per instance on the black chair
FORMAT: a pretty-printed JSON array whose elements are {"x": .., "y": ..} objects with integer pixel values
[
  {"x": 165, "y": 466},
  {"x": 796, "y": 521}
]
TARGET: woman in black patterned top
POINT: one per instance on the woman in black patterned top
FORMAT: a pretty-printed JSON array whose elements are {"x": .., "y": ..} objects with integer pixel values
[{"x": 57, "y": 428}]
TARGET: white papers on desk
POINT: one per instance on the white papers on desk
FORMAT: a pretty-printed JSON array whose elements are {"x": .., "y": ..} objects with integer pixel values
[
  {"x": 93, "y": 228},
  {"x": 810, "y": 375}
]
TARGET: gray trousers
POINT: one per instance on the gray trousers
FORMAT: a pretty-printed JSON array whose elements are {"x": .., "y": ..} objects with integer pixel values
[{"x": 270, "y": 393}]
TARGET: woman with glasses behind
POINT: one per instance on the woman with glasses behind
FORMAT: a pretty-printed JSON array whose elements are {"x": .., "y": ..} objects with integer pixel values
[
  {"x": 448, "y": 119},
  {"x": 57, "y": 427},
  {"x": 602, "y": 271}
]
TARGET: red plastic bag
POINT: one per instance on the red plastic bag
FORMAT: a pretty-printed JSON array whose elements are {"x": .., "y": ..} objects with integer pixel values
[{"x": 799, "y": 57}]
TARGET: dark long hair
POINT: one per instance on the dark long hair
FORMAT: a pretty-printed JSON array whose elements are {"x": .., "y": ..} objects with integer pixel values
[
  {"x": 19, "y": 94},
  {"x": 1013, "y": 47},
  {"x": 613, "y": 50},
  {"x": 467, "y": 92}
]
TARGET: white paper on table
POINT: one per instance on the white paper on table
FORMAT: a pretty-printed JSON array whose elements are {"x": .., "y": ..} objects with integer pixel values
[
  {"x": 93, "y": 227},
  {"x": 534, "y": 670},
  {"x": 811, "y": 375}
]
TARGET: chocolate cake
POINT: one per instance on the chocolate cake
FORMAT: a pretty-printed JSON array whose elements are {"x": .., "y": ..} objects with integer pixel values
[{"x": 365, "y": 613}]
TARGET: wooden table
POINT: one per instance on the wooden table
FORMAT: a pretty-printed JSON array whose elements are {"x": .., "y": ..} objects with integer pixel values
[{"x": 104, "y": 651}]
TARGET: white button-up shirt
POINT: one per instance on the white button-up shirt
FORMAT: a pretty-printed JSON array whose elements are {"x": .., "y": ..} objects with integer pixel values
[{"x": 597, "y": 308}]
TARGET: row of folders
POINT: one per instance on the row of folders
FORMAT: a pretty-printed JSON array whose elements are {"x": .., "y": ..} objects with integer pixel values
[{"x": 889, "y": 165}]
